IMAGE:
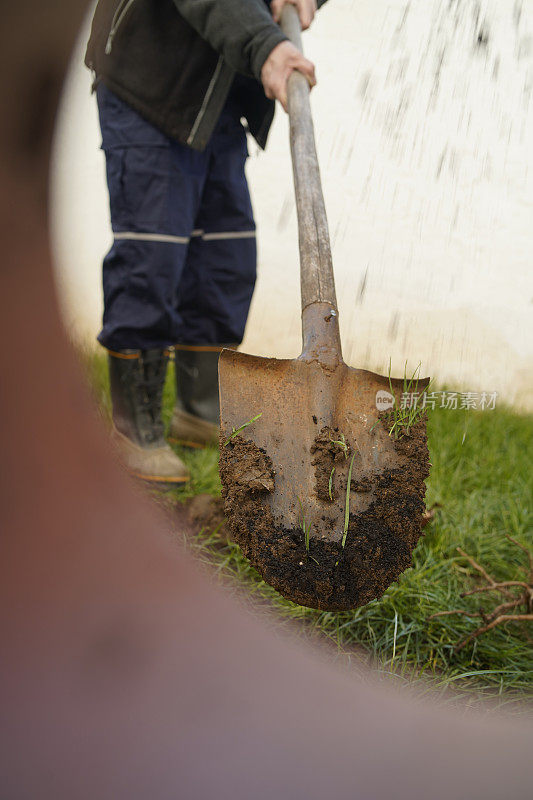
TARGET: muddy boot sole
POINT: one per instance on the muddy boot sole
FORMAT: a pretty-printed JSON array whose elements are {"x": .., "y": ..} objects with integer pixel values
[
  {"x": 191, "y": 431},
  {"x": 155, "y": 465}
]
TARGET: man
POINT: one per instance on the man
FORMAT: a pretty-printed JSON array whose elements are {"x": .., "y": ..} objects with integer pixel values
[{"x": 173, "y": 80}]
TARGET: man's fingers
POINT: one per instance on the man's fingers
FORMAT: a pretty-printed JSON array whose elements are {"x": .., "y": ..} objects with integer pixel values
[
  {"x": 306, "y": 10},
  {"x": 275, "y": 9},
  {"x": 282, "y": 61},
  {"x": 308, "y": 69},
  {"x": 282, "y": 96}
]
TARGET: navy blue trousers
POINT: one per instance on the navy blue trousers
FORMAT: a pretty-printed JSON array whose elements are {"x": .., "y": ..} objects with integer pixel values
[{"x": 182, "y": 266}]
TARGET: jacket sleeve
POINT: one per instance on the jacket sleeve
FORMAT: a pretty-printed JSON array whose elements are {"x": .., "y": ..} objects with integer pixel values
[{"x": 242, "y": 31}]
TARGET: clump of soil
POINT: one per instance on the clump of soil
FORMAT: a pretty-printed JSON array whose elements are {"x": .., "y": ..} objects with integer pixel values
[
  {"x": 379, "y": 542},
  {"x": 207, "y": 512},
  {"x": 328, "y": 452},
  {"x": 247, "y": 476},
  {"x": 404, "y": 443}
]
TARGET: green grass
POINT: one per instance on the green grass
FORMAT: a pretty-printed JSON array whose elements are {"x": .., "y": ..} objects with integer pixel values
[
  {"x": 236, "y": 431},
  {"x": 401, "y": 418},
  {"x": 330, "y": 484},
  {"x": 481, "y": 475},
  {"x": 347, "y": 503},
  {"x": 342, "y": 444}
]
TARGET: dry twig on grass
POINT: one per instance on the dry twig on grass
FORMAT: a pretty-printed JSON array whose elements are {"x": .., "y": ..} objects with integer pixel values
[
  {"x": 518, "y": 606},
  {"x": 429, "y": 514}
]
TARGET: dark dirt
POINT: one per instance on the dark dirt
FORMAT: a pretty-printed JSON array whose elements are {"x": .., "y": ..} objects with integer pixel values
[
  {"x": 380, "y": 540},
  {"x": 206, "y": 512},
  {"x": 328, "y": 452}
]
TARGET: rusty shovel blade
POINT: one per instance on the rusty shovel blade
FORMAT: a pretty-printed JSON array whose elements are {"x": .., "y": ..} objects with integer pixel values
[{"x": 285, "y": 477}]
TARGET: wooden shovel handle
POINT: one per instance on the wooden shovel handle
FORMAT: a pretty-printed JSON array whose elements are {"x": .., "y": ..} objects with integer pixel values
[{"x": 316, "y": 267}]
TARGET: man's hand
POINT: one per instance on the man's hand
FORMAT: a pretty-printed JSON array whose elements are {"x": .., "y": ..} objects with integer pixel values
[
  {"x": 283, "y": 59},
  {"x": 306, "y": 10}
]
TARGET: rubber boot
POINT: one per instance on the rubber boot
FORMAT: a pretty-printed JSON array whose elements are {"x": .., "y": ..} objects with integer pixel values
[
  {"x": 196, "y": 418},
  {"x": 137, "y": 379}
]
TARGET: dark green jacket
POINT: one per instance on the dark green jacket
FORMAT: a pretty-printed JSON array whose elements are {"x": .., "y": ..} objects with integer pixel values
[{"x": 174, "y": 61}]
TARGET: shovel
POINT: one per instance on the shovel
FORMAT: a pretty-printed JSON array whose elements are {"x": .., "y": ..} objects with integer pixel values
[{"x": 322, "y": 467}]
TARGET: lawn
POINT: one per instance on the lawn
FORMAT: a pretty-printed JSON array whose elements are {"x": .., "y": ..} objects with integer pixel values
[{"x": 482, "y": 479}]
